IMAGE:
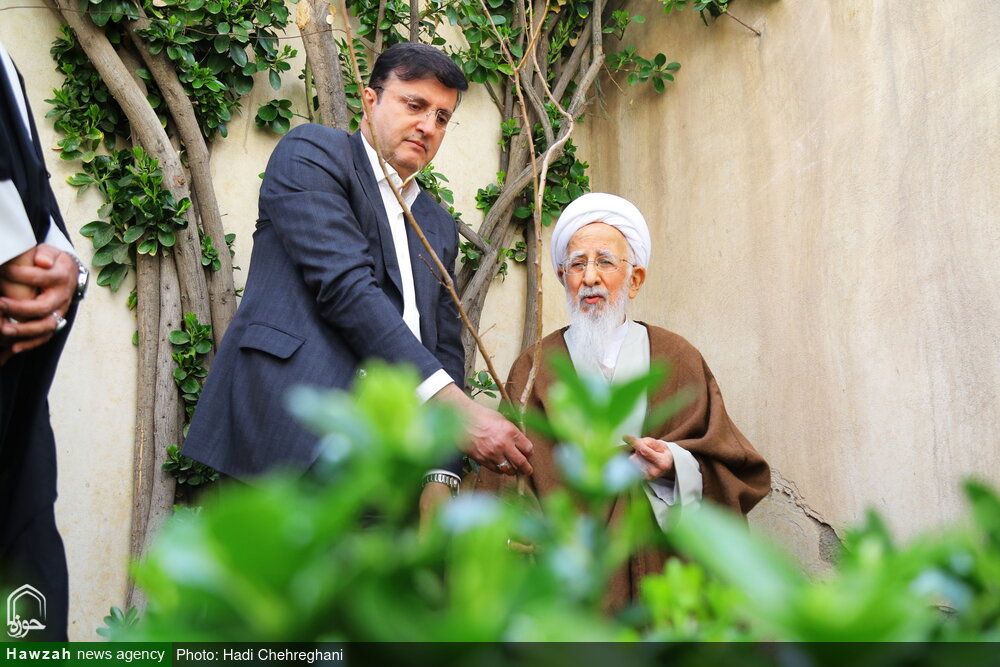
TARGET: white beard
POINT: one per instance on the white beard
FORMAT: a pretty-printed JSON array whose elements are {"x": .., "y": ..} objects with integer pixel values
[{"x": 592, "y": 326}]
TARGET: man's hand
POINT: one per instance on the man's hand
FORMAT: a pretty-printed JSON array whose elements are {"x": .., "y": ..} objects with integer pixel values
[
  {"x": 432, "y": 498},
  {"x": 14, "y": 290},
  {"x": 28, "y": 323},
  {"x": 493, "y": 441},
  {"x": 652, "y": 456}
]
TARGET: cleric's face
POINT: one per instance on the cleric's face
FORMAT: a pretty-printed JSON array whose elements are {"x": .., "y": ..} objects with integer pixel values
[
  {"x": 407, "y": 118},
  {"x": 596, "y": 269}
]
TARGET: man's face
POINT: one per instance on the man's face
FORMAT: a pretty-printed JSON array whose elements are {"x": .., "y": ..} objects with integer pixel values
[
  {"x": 405, "y": 120},
  {"x": 593, "y": 290}
]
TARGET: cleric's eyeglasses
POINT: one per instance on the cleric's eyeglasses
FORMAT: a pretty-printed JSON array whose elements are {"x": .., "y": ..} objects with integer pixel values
[{"x": 604, "y": 263}]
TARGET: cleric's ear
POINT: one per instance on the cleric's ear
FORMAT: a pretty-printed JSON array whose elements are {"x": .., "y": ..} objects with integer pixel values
[{"x": 636, "y": 280}]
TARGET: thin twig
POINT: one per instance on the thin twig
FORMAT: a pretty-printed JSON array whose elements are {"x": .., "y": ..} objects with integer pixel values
[{"x": 737, "y": 19}]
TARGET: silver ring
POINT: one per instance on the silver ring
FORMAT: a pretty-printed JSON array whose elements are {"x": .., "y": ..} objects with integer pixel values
[
  {"x": 60, "y": 321},
  {"x": 503, "y": 465}
]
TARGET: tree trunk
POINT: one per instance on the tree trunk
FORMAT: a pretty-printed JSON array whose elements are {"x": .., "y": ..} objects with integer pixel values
[
  {"x": 324, "y": 62},
  {"x": 143, "y": 465},
  {"x": 222, "y": 295}
]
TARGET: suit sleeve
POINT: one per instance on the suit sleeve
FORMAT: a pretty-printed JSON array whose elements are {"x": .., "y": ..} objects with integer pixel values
[{"x": 305, "y": 195}]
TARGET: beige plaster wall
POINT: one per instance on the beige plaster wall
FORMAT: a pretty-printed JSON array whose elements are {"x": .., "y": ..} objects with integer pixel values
[
  {"x": 824, "y": 204},
  {"x": 93, "y": 398}
]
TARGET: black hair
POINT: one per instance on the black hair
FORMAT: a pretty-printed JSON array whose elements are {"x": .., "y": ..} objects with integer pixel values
[{"x": 411, "y": 61}]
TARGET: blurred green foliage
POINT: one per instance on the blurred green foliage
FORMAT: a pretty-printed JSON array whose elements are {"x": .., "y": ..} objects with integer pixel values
[{"x": 337, "y": 556}]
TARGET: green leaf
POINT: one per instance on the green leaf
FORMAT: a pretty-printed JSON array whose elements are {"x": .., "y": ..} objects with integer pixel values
[
  {"x": 91, "y": 228},
  {"x": 147, "y": 247},
  {"x": 104, "y": 236},
  {"x": 133, "y": 233},
  {"x": 190, "y": 386},
  {"x": 105, "y": 255},
  {"x": 167, "y": 239},
  {"x": 242, "y": 84},
  {"x": 111, "y": 276},
  {"x": 280, "y": 125},
  {"x": 178, "y": 337},
  {"x": 238, "y": 54},
  {"x": 80, "y": 180},
  {"x": 275, "y": 80},
  {"x": 203, "y": 347},
  {"x": 267, "y": 113},
  {"x": 120, "y": 253}
]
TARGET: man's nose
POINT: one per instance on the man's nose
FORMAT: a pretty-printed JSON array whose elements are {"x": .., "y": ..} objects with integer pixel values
[
  {"x": 428, "y": 124},
  {"x": 591, "y": 276}
]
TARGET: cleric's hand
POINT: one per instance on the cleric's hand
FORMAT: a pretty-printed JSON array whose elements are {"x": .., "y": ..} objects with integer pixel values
[{"x": 652, "y": 456}]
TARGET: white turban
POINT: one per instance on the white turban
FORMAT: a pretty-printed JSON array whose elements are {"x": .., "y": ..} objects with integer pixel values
[{"x": 609, "y": 209}]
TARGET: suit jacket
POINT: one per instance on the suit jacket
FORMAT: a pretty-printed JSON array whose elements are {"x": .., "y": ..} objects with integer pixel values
[
  {"x": 323, "y": 294},
  {"x": 27, "y": 446}
]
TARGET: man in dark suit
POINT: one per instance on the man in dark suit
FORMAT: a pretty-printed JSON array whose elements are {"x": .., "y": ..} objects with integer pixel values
[
  {"x": 40, "y": 281},
  {"x": 337, "y": 277}
]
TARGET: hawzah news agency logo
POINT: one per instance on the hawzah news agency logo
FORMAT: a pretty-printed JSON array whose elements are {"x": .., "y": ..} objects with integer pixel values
[{"x": 31, "y": 603}]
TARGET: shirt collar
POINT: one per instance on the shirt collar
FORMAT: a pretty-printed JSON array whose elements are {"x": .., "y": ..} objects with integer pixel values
[
  {"x": 411, "y": 190},
  {"x": 614, "y": 345}
]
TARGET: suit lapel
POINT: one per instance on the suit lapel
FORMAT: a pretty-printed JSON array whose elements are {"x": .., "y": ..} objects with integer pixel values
[
  {"x": 425, "y": 278},
  {"x": 369, "y": 185}
]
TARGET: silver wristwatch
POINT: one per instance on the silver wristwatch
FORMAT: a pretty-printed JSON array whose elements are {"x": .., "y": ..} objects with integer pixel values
[
  {"x": 82, "y": 279},
  {"x": 451, "y": 481}
]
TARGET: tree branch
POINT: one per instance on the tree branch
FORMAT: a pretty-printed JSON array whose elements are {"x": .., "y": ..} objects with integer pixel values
[
  {"x": 414, "y": 20},
  {"x": 221, "y": 290},
  {"x": 324, "y": 62}
]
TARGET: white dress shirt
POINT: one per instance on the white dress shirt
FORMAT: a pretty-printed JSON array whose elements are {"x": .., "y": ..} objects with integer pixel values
[
  {"x": 16, "y": 234},
  {"x": 397, "y": 225}
]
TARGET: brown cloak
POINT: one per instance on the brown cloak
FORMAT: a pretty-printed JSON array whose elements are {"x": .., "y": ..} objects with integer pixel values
[{"x": 733, "y": 473}]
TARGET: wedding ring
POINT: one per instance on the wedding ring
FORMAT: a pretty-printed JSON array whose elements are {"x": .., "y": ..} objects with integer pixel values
[
  {"x": 60, "y": 321},
  {"x": 503, "y": 465}
]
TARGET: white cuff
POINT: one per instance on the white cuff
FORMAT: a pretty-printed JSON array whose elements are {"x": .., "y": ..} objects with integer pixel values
[
  {"x": 687, "y": 478},
  {"x": 57, "y": 239},
  {"x": 16, "y": 235},
  {"x": 433, "y": 384}
]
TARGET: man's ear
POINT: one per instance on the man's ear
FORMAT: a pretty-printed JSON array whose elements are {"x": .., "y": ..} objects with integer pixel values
[
  {"x": 370, "y": 97},
  {"x": 636, "y": 280}
]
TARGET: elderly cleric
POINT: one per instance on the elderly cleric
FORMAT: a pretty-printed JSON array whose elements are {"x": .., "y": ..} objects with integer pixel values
[{"x": 600, "y": 252}]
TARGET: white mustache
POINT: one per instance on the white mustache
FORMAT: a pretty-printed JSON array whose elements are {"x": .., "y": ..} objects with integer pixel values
[{"x": 587, "y": 292}]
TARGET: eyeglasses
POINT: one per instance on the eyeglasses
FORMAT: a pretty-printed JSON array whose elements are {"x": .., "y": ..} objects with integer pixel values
[
  {"x": 603, "y": 263},
  {"x": 415, "y": 106}
]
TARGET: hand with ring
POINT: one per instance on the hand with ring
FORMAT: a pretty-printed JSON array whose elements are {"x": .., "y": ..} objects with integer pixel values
[{"x": 28, "y": 322}]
